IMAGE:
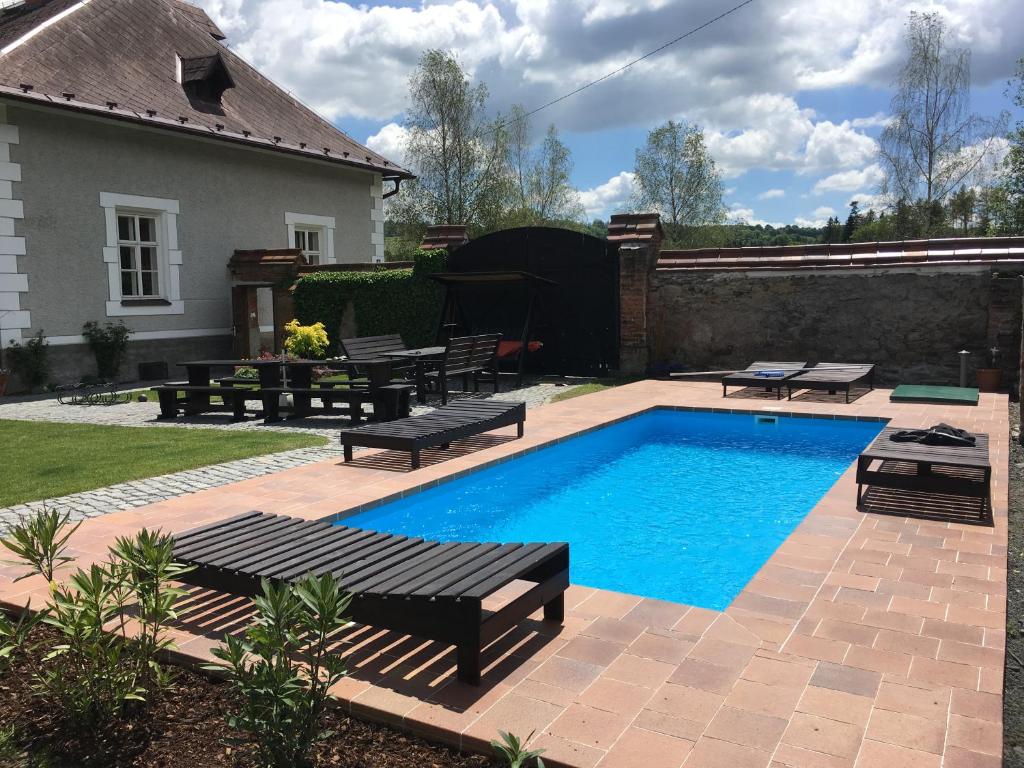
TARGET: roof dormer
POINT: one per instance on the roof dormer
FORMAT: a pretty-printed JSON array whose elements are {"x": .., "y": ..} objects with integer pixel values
[{"x": 204, "y": 80}]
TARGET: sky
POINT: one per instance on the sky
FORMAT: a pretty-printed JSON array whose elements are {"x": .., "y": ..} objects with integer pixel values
[{"x": 792, "y": 94}]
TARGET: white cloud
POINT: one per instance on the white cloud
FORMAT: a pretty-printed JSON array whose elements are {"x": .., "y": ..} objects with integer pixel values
[
  {"x": 608, "y": 198},
  {"x": 740, "y": 214},
  {"x": 824, "y": 211},
  {"x": 783, "y": 136},
  {"x": 800, "y": 221},
  {"x": 390, "y": 141},
  {"x": 769, "y": 194},
  {"x": 847, "y": 181}
]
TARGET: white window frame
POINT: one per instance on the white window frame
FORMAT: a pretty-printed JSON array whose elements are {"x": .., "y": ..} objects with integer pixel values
[
  {"x": 308, "y": 221},
  {"x": 136, "y": 244},
  {"x": 321, "y": 236},
  {"x": 165, "y": 211}
]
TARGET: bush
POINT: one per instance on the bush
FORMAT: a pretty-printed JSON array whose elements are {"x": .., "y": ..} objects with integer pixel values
[
  {"x": 306, "y": 341},
  {"x": 30, "y": 361},
  {"x": 283, "y": 668},
  {"x": 108, "y": 343},
  {"x": 402, "y": 301},
  {"x": 101, "y": 670}
]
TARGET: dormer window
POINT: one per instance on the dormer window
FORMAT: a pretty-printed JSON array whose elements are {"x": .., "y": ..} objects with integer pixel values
[{"x": 204, "y": 79}]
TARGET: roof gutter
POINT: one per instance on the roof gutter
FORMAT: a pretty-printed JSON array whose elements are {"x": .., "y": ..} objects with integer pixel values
[{"x": 112, "y": 111}]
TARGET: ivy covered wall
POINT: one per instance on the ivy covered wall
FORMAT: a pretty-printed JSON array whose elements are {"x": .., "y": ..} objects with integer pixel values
[{"x": 403, "y": 301}]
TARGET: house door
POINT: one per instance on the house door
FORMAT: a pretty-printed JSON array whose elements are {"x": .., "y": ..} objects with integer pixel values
[{"x": 245, "y": 321}]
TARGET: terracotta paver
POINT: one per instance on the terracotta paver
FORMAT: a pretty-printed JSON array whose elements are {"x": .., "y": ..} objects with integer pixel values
[{"x": 867, "y": 639}]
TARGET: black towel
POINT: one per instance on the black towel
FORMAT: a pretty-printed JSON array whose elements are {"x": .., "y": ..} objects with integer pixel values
[{"x": 940, "y": 434}]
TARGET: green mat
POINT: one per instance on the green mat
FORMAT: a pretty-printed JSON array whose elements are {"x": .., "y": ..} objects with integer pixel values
[{"x": 923, "y": 393}]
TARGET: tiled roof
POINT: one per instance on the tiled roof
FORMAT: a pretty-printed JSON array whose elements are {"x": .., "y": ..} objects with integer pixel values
[
  {"x": 937, "y": 251},
  {"x": 117, "y": 58},
  {"x": 635, "y": 228}
]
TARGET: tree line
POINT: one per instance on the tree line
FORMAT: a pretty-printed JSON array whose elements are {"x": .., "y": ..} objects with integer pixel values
[{"x": 945, "y": 169}]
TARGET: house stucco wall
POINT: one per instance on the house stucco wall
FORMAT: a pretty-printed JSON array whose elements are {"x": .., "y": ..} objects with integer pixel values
[{"x": 229, "y": 198}]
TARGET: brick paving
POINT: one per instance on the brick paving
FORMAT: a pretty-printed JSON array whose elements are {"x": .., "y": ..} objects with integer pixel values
[
  {"x": 139, "y": 493},
  {"x": 867, "y": 639}
]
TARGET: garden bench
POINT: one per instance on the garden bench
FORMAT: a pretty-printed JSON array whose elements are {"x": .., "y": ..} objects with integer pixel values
[
  {"x": 170, "y": 403},
  {"x": 471, "y": 357}
]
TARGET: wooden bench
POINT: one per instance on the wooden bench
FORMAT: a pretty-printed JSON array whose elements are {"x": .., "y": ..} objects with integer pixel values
[
  {"x": 303, "y": 397},
  {"x": 170, "y": 403},
  {"x": 472, "y": 358},
  {"x": 436, "y": 428}
]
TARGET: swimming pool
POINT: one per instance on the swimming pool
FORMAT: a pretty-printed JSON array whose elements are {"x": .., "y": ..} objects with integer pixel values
[{"x": 676, "y": 505}]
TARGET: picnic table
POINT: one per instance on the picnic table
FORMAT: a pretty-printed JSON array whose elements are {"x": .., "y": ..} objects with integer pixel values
[{"x": 420, "y": 357}]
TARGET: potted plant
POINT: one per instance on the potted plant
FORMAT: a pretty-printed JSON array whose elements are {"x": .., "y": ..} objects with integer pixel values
[{"x": 990, "y": 378}]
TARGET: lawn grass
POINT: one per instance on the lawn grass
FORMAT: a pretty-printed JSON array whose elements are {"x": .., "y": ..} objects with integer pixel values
[
  {"x": 42, "y": 460},
  {"x": 587, "y": 389}
]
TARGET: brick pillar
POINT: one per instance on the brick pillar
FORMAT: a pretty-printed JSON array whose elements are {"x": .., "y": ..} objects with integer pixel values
[
  {"x": 639, "y": 237},
  {"x": 449, "y": 236}
]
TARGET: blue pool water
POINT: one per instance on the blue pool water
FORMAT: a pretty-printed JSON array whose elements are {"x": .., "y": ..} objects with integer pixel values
[{"x": 676, "y": 505}]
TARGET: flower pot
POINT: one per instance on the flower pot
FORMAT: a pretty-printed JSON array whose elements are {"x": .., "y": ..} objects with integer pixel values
[
  {"x": 3, "y": 384},
  {"x": 989, "y": 379}
]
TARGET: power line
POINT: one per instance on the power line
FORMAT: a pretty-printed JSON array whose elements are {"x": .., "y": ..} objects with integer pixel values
[{"x": 626, "y": 66}]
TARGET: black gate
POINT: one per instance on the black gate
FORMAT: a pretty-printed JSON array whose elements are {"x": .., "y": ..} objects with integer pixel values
[{"x": 577, "y": 319}]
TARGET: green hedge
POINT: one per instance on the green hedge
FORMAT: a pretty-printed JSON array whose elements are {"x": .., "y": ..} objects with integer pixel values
[{"x": 400, "y": 301}]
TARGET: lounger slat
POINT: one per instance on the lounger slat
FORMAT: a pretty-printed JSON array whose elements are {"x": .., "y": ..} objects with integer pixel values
[
  {"x": 512, "y": 571},
  {"x": 262, "y": 562},
  {"x": 367, "y": 567},
  {"x": 404, "y": 575},
  {"x": 225, "y": 552},
  {"x": 372, "y": 584},
  {"x": 433, "y": 581},
  {"x": 477, "y": 561},
  {"x": 230, "y": 559},
  {"x": 228, "y": 540},
  {"x": 327, "y": 561},
  {"x": 464, "y": 587},
  {"x": 328, "y": 543},
  {"x": 195, "y": 534}
]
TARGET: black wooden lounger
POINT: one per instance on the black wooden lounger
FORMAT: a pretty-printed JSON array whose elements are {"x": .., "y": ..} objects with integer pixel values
[
  {"x": 748, "y": 379},
  {"x": 423, "y": 588},
  {"x": 438, "y": 427},
  {"x": 833, "y": 377}
]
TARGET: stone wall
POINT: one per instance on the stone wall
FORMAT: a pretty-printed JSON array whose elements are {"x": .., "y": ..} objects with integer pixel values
[{"x": 911, "y": 322}]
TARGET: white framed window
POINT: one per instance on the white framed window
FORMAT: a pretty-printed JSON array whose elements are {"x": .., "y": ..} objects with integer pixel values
[
  {"x": 309, "y": 240},
  {"x": 313, "y": 235},
  {"x": 139, "y": 247},
  {"x": 142, "y": 256}
]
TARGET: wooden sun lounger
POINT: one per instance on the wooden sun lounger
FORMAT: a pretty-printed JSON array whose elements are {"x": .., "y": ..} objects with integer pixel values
[
  {"x": 956, "y": 470},
  {"x": 833, "y": 377},
  {"x": 436, "y": 428},
  {"x": 748, "y": 379},
  {"x": 423, "y": 588}
]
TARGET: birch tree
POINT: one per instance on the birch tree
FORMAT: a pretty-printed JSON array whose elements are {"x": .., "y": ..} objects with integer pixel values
[
  {"x": 933, "y": 143},
  {"x": 676, "y": 176}
]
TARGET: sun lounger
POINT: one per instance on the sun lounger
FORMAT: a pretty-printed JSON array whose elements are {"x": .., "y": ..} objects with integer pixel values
[
  {"x": 955, "y": 470},
  {"x": 436, "y": 428},
  {"x": 833, "y": 377},
  {"x": 770, "y": 375},
  {"x": 423, "y": 588}
]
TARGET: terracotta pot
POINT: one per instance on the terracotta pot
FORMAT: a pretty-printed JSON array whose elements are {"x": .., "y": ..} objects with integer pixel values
[
  {"x": 989, "y": 379},
  {"x": 3, "y": 384}
]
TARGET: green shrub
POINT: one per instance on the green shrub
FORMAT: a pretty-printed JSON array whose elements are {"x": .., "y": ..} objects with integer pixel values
[
  {"x": 108, "y": 343},
  {"x": 306, "y": 341},
  {"x": 514, "y": 752},
  {"x": 102, "y": 669},
  {"x": 39, "y": 540},
  {"x": 282, "y": 669},
  {"x": 30, "y": 360},
  {"x": 14, "y": 632},
  {"x": 403, "y": 301}
]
